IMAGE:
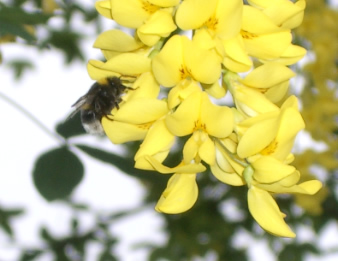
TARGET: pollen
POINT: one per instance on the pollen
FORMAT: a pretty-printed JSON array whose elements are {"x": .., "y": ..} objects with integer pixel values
[
  {"x": 185, "y": 72},
  {"x": 270, "y": 148},
  {"x": 211, "y": 23},
  {"x": 247, "y": 35},
  {"x": 149, "y": 8}
]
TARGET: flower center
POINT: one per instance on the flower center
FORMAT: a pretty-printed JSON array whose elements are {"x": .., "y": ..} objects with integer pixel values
[
  {"x": 248, "y": 35},
  {"x": 211, "y": 23},
  {"x": 270, "y": 148},
  {"x": 150, "y": 8}
]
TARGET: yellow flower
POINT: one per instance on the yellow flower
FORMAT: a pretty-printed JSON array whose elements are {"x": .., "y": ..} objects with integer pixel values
[
  {"x": 152, "y": 19},
  {"x": 182, "y": 58},
  {"x": 180, "y": 195},
  {"x": 198, "y": 116}
]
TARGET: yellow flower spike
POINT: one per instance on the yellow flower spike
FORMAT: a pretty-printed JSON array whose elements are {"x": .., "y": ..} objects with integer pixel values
[
  {"x": 157, "y": 144},
  {"x": 268, "y": 75},
  {"x": 268, "y": 170},
  {"x": 117, "y": 40},
  {"x": 119, "y": 64},
  {"x": 180, "y": 195},
  {"x": 160, "y": 24},
  {"x": 266, "y": 212},
  {"x": 104, "y": 8},
  {"x": 181, "y": 168}
]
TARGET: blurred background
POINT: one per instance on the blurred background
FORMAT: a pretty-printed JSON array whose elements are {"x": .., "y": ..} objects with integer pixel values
[{"x": 67, "y": 195}]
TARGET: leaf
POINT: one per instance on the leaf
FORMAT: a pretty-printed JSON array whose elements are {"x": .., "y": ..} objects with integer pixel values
[
  {"x": 5, "y": 219},
  {"x": 125, "y": 164},
  {"x": 56, "y": 173},
  {"x": 70, "y": 127},
  {"x": 19, "y": 67}
]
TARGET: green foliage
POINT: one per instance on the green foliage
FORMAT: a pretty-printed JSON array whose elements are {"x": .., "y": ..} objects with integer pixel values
[
  {"x": 56, "y": 173},
  {"x": 6, "y": 216}
]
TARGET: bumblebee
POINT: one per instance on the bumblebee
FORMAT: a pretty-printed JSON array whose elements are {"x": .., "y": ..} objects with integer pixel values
[{"x": 98, "y": 102}]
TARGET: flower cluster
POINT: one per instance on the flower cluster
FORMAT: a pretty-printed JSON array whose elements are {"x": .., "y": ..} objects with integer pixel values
[{"x": 196, "y": 50}]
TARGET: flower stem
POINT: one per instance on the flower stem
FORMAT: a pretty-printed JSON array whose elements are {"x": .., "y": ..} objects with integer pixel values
[{"x": 32, "y": 118}]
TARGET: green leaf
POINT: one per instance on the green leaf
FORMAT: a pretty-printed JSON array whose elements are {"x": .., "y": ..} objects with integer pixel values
[
  {"x": 17, "y": 15},
  {"x": 5, "y": 218},
  {"x": 125, "y": 164},
  {"x": 71, "y": 127},
  {"x": 56, "y": 173},
  {"x": 19, "y": 67}
]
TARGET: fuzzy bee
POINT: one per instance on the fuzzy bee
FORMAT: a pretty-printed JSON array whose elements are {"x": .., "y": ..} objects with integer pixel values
[{"x": 102, "y": 97}]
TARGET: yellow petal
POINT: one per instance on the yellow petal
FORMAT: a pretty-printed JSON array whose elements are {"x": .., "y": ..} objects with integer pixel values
[
  {"x": 167, "y": 64},
  {"x": 229, "y": 18},
  {"x": 158, "y": 139},
  {"x": 203, "y": 64},
  {"x": 181, "y": 91},
  {"x": 119, "y": 65},
  {"x": 262, "y": 23},
  {"x": 164, "y": 3},
  {"x": 120, "y": 132},
  {"x": 183, "y": 121},
  {"x": 268, "y": 46},
  {"x": 267, "y": 214},
  {"x": 268, "y": 169},
  {"x": 160, "y": 24},
  {"x": 144, "y": 87},
  {"x": 191, "y": 14},
  {"x": 228, "y": 178},
  {"x": 268, "y": 75},
  {"x": 286, "y": 14},
  {"x": 181, "y": 168},
  {"x": 207, "y": 151},
  {"x": 117, "y": 40},
  {"x": 190, "y": 148},
  {"x": 218, "y": 120},
  {"x": 180, "y": 195},
  {"x": 236, "y": 58},
  {"x": 257, "y": 137},
  {"x": 139, "y": 111},
  {"x": 104, "y": 8},
  {"x": 309, "y": 187},
  {"x": 129, "y": 13}
]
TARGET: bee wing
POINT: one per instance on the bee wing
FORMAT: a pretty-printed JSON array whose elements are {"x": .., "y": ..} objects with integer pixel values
[{"x": 78, "y": 105}]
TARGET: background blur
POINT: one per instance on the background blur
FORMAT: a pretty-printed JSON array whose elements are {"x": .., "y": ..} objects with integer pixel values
[{"x": 66, "y": 195}]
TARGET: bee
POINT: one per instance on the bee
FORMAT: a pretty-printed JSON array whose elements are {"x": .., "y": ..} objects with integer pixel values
[{"x": 98, "y": 102}]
